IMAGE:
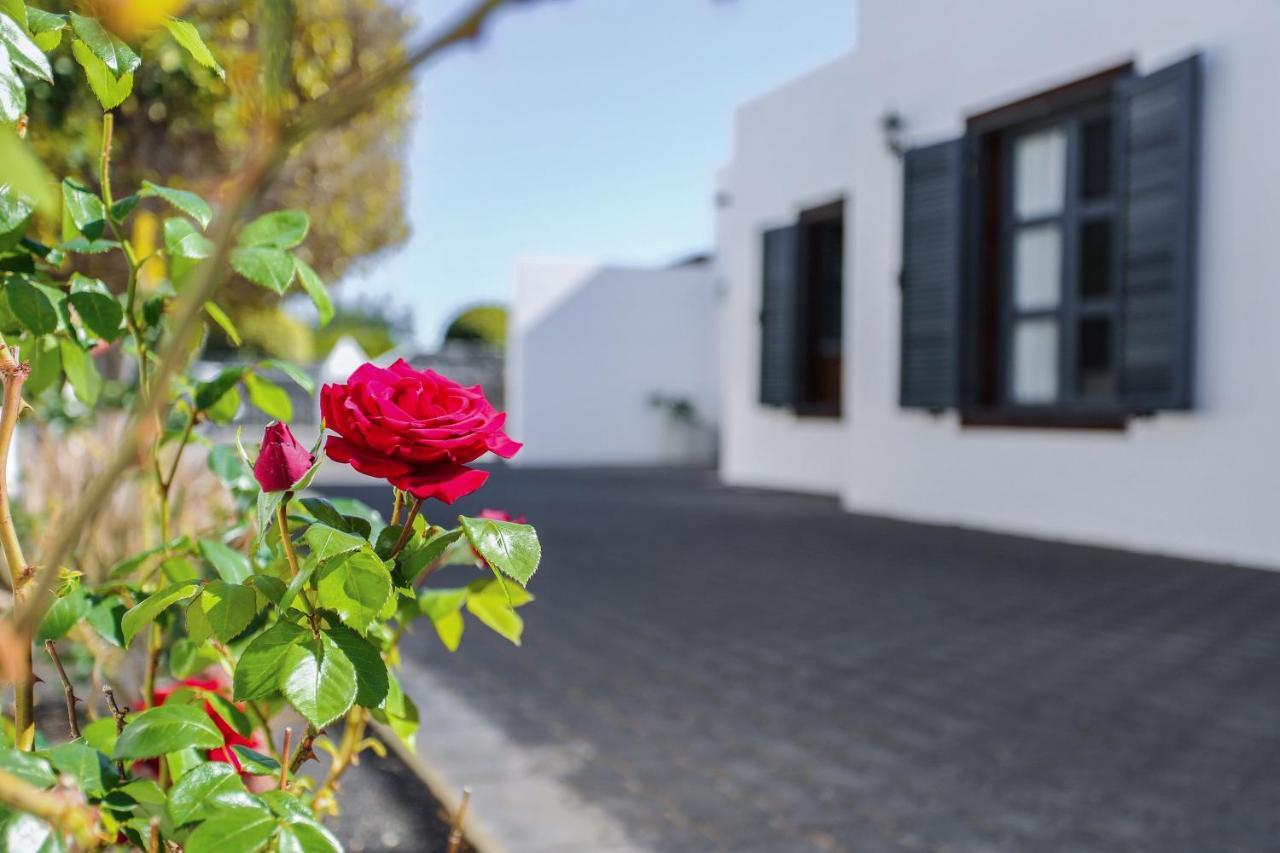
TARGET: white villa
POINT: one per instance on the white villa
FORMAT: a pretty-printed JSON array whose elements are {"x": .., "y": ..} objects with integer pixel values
[{"x": 1013, "y": 265}]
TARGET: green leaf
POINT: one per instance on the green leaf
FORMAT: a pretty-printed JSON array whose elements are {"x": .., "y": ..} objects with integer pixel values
[
  {"x": 269, "y": 397},
  {"x": 31, "y": 305},
  {"x": 84, "y": 246},
  {"x": 31, "y": 769},
  {"x": 498, "y": 615},
  {"x": 146, "y": 611},
  {"x": 230, "y": 608},
  {"x": 187, "y": 658},
  {"x": 319, "y": 680},
  {"x": 356, "y": 586},
  {"x": 22, "y": 170},
  {"x": 209, "y": 392},
  {"x": 511, "y": 548},
  {"x": 255, "y": 763},
  {"x": 64, "y": 614},
  {"x": 198, "y": 628},
  {"x": 100, "y": 734},
  {"x": 326, "y": 542},
  {"x": 17, "y": 10},
  {"x": 299, "y": 376},
  {"x": 178, "y": 570},
  {"x": 239, "y": 830},
  {"x": 231, "y": 565},
  {"x": 15, "y": 215},
  {"x": 188, "y": 36},
  {"x": 224, "y": 411},
  {"x": 117, "y": 56},
  {"x": 184, "y": 200},
  {"x": 25, "y": 54},
  {"x": 81, "y": 372},
  {"x": 104, "y": 617},
  {"x": 98, "y": 309},
  {"x": 83, "y": 211},
  {"x": 315, "y": 289},
  {"x": 398, "y": 712},
  {"x": 107, "y": 88},
  {"x": 13, "y": 92},
  {"x": 182, "y": 240},
  {"x": 122, "y": 207},
  {"x": 264, "y": 266},
  {"x": 45, "y": 358},
  {"x": 166, "y": 728},
  {"x": 371, "y": 670},
  {"x": 268, "y": 503},
  {"x": 281, "y": 229},
  {"x": 261, "y": 666},
  {"x": 92, "y": 771},
  {"x": 303, "y": 835},
  {"x": 443, "y": 607},
  {"x": 224, "y": 322},
  {"x": 211, "y": 784}
]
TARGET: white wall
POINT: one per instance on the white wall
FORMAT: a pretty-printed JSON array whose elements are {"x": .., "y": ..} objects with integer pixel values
[
  {"x": 1200, "y": 484},
  {"x": 588, "y": 347}
]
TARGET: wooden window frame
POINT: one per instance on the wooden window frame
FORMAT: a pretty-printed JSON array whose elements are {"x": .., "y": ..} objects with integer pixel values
[{"x": 988, "y": 311}]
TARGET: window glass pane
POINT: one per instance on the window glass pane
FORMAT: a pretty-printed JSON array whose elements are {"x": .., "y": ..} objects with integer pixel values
[
  {"x": 1037, "y": 267},
  {"x": 1095, "y": 172},
  {"x": 1040, "y": 170},
  {"x": 1095, "y": 258},
  {"x": 1095, "y": 376},
  {"x": 1035, "y": 361}
]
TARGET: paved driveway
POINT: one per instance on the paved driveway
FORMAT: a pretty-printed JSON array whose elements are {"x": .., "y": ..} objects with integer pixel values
[{"x": 748, "y": 671}]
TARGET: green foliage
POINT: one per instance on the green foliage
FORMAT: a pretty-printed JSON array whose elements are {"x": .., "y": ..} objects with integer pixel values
[
  {"x": 485, "y": 324},
  {"x": 301, "y": 600}
]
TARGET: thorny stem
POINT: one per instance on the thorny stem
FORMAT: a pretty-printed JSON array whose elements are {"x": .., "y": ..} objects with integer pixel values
[
  {"x": 56, "y": 807},
  {"x": 396, "y": 506},
  {"x": 455, "y": 829},
  {"x": 67, "y": 689},
  {"x": 347, "y": 755},
  {"x": 119, "y": 716},
  {"x": 406, "y": 531},
  {"x": 284, "y": 765},
  {"x": 305, "y": 751},
  {"x": 14, "y": 375}
]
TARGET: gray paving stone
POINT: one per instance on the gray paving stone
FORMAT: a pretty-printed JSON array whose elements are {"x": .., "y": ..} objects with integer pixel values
[{"x": 720, "y": 669}]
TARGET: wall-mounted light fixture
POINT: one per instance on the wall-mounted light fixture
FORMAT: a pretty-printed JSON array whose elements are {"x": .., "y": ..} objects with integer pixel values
[{"x": 892, "y": 126}]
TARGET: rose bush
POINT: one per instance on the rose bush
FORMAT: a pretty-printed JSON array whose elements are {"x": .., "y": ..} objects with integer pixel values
[
  {"x": 253, "y": 645},
  {"x": 416, "y": 429}
]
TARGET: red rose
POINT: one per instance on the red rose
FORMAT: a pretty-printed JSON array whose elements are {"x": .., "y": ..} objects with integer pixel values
[
  {"x": 282, "y": 461},
  {"x": 416, "y": 429}
]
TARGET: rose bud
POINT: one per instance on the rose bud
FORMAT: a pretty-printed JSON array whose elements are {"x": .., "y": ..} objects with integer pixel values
[{"x": 282, "y": 461}]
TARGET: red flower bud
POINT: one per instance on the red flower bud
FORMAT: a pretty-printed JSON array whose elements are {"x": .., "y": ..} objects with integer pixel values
[{"x": 282, "y": 461}]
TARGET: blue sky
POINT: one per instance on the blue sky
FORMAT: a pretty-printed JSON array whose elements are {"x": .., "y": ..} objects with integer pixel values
[{"x": 582, "y": 129}]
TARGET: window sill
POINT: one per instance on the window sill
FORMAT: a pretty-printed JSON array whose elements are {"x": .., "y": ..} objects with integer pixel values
[
  {"x": 1112, "y": 420},
  {"x": 812, "y": 411}
]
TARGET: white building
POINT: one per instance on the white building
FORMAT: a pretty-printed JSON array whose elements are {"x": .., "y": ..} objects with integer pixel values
[
  {"x": 611, "y": 365},
  {"x": 1054, "y": 316}
]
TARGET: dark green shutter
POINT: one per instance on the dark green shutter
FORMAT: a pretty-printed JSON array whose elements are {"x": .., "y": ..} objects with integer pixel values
[
  {"x": 779, "y": 323},
  {"x": 932, "y": 257},
  {"x": 1161, "y": 125}
]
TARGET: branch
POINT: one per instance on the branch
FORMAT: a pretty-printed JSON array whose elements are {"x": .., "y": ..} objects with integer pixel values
[
  {"x": 57, "y": 809},
  {"x": 305, "y": 751},
  {"x": 67, "y": 689},
  {"x": 119, "y": 716},
  {"x": 406, "y": 530}
]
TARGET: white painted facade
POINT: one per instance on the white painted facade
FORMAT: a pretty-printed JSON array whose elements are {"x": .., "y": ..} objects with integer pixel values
[
  {"x": 1202, "y": 483},
  {"x": 588, "y": 349}
]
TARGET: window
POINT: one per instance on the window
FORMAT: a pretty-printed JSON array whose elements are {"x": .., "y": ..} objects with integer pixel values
[
  {"x": 1058, "y": 216},
  {"x": 801, "y": 318},
  {"x": 1049, "y": 256}
]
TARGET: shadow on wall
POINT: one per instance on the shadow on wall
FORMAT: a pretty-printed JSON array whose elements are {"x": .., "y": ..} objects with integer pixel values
[{"x": 613, "y": 365}]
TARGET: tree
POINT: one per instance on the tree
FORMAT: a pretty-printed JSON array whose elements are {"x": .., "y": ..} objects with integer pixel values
[
  {"x": 480, "y": 323},
  {"x": 186, "y": 125}
]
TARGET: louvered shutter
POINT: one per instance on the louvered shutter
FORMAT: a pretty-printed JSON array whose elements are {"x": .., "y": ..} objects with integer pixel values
[
  {"x": 932, "y": 257},
  {"x": 1161, "y": 125},
  {"x": 779, "y": 323}
]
